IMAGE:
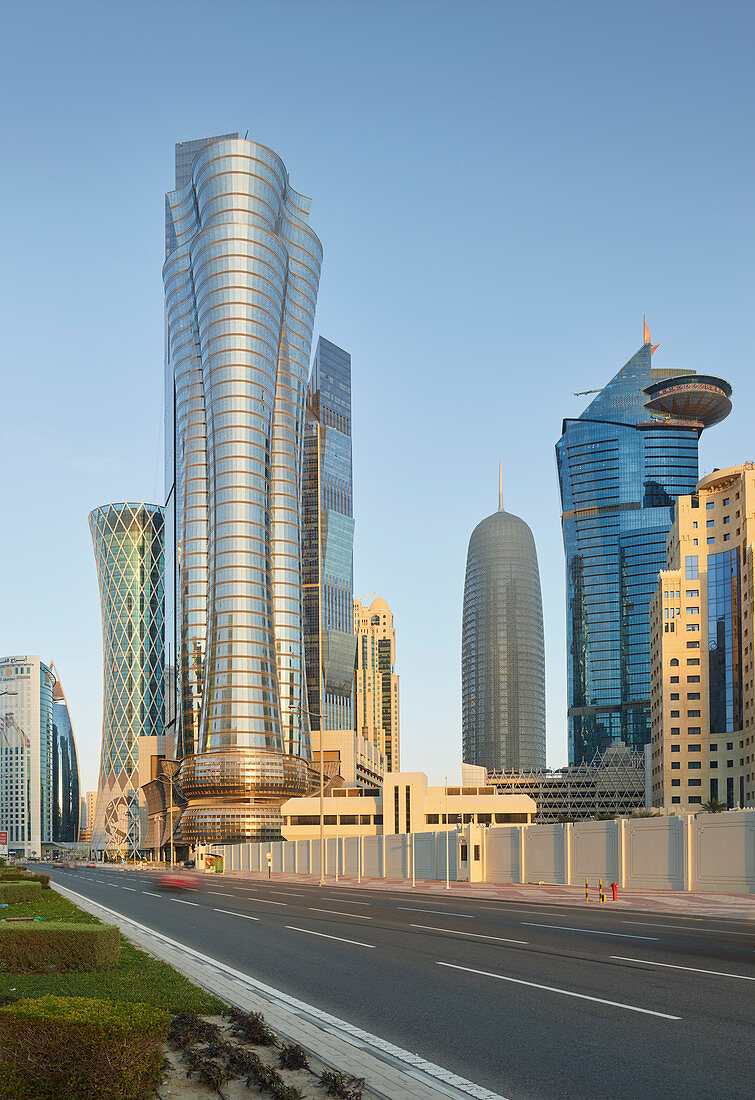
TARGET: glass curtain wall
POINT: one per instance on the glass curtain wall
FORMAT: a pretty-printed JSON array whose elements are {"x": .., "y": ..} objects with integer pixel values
[
  {"x": 128, "y": 550},
  {"x": 620, "y": 474},
  {"x": 329, "y": 541},
  {"x": 65, "y": 771},
  {"x": 241, "y": 277}
]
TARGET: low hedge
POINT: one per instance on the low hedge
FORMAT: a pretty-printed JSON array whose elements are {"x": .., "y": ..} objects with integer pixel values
[
  {"x": 74, "y": 1048},
  {"x": 25, "y": 876},
  {"x": 57, "y": 947},
  {"x": 11, "y": 892}
]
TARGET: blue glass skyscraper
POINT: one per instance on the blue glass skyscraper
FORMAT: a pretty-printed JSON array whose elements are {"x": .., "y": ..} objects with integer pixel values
[
  {"x": 65, "y": 769},
  {"x": 621, "y": 466},
  {"x": 330, "y": 642}
]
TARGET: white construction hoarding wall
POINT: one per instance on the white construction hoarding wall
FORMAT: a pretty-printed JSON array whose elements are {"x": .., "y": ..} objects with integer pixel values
[{"x": 714, "y": 852}]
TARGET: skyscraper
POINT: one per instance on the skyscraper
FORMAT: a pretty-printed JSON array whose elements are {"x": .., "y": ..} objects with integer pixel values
[
  {"x": 703, "y": 696},
  {"x": 65, "y": 769},
  {"x": 26, "y": 752},
  {"x": 622, "y": 464},
  {"x": 377, "y": 703},
  {"x": 330, "y": 642},
  {"x": 502, "y": 647},
  {"x": 128, "y": 551},
  {"x": 241, "y": 276}
]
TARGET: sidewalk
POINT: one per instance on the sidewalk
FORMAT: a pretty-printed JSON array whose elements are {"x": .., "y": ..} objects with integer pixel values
[{"x": 665, "y": 902}]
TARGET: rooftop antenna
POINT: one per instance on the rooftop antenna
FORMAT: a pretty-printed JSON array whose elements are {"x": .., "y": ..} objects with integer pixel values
[
  {"x": 246, "y": 135},
  {"x": 500, "y": 486}
]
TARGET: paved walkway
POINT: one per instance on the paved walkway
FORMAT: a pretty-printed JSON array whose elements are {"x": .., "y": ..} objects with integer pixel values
[
  {"x": 390, "y": 1073},
  {"x": 676, "y": 903}
]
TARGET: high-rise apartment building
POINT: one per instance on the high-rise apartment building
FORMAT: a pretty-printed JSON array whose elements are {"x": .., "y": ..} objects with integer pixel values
[
  {"x": 65, "y": 769},
  {"x": 622, "y": 464},
  {"x": 26, "y": 754},
  {"x": 377, "y": 713},
  {"x": 241, "y": 276},
  {"x": 328, "y": 507},
  {"x": 502, "y": 647},
  {"x": 128, "y": 551},
  {"x": 702, "y": 659}
]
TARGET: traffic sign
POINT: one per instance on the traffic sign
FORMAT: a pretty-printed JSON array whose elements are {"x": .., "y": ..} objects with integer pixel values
[{"x": 3, "y": 842}]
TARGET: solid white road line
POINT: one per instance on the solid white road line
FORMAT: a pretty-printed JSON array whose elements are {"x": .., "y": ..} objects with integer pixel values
[
  {"x": 475, "y": 935},
  {"x": 693, "y": 969},
  {"x": 438, "y": 912},
  {"x": 565, "y": 992},
  {"x": 589, "y": 931},
  {"x": 183, "y": 901},
  {"x": 338, "y": 913},
  {"x": 688, "y": 928},
  {"x": 231, "y": 913},
  {"x": 322, "y": 934}
]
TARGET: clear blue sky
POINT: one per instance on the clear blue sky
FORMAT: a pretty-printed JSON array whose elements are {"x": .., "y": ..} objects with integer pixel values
[{"x": 502, "y": 190}]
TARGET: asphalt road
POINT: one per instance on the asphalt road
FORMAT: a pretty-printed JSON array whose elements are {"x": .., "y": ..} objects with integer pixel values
[{"x": 532, "y": 1001}]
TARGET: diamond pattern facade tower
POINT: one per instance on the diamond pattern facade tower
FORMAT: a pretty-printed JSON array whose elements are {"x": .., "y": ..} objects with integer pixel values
[
  {"x": 241, "y": 276},
  {"x": 128, "y": 550}
]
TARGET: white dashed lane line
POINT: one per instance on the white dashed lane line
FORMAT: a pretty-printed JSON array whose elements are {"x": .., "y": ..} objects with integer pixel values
[{"x": 309, "y": 932}]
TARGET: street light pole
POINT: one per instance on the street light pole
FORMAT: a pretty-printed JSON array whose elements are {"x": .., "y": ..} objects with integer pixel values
[
  {"x": 448, "y": 885},
  {"x": 172, "y": 851}
]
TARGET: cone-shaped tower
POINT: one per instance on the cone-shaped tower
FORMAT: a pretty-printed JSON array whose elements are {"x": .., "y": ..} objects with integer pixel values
[{"x": 502, "y": 646}]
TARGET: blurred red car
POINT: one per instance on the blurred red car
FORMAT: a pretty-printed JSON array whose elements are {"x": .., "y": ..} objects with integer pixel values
[{"x": 179, "y": 880}]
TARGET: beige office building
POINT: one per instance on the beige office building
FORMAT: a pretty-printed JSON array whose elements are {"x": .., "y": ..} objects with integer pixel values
[
  {"x": 376, "y": 682},
  {"x": 701, "y": 626},
  {"x": 406, "y": 804}
]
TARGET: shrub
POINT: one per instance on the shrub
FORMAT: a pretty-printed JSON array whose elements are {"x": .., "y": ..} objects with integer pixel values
[
  {"x": 74, "y": 1048},
  {"x": 341, "y": 1085},
  {"x": 292, "y": 1056},
  {"x": 11, "y": 892},
  {"x": 58, "y": 947},
  {"x": 25, "y": 876}
]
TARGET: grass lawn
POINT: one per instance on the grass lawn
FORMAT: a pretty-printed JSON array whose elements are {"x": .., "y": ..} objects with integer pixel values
[{"x": 137, "y": 977}]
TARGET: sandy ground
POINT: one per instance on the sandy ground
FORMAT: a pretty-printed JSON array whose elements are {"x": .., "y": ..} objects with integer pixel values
[{"x": 177, "y": 1086}]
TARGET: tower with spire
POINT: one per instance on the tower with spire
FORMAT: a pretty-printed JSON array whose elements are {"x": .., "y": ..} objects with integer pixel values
[
  {"x": 502, "y": 646},
  {"x": 621, "y": 465}
]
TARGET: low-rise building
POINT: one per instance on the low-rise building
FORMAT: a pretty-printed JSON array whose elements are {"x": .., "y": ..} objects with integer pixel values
[
  {"x": 702, "y": 659},
  {"x": 358, "y": 761},
  {"x": 613, "y": 782},
  {"x": 406, "y": 804}
]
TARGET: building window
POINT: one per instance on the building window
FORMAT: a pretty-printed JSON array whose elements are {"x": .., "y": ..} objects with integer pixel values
[
  {"x": 676, "y": 782},
  {"x": 692, "y": 593},
  {"x": 676, "y": 799},
  {"x": 693, "y": 713},
  {"x": 432, "y": 819},
  {"x": 693, "y": 661},
  {"x": 714, "y": 748},
  {"x": 693, "y": 627},
  {"x": 675, "y": 748},
  {"x": 709, "y": 505},
  {"x": 695, "y": 798},
  {"x": 693, "y": 729},
  {"x": 695, "y": 765},
  {"x": 691, "y": 567},
  {"x": 674, "y": 729},
  {"x": 693, "y": 694},
  {"x": 675, "y": 766},
  {"x": 674, "y": 694},
  {"x": 711, "y": 541},
  {"x": 694, "y": 748},
  {"x": 693, "y": 645},
  {"x": 674, "y": 713}
]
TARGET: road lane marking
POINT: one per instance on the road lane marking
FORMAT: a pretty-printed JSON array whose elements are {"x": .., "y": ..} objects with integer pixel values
[
  {"x": 264, "y": 901},
  {"x": 693, "y": 969},
  {"x": 476, "y": 935},
  {"x": 322, "y": 934},
  {"x": 131, "y": 888},
  {"x": 589, "y": 931},
  {"x": 220, "y": 893},
  {"x": 564, "y": 992},
  {"x": 688, "y": 928},
  {"x": 413, "y": 1066},
  {"x": 183, "y": 901},
  {"x": 291, "y": 893},
  {"x": 438, "y": 912},
  {"x": 231, "y": 913},
  {"x": 346, "y": 901},
  {"x": 337, "y": 913},
  {"x": 151, "y": 894}
]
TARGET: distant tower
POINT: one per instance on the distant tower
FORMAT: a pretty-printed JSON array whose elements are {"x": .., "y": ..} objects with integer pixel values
[
  {"x": 502, "y": 647},
  {"x": 376, "y": 682},
  {"x": 328, "y": 538},
  {"x": 128, "y": 550},
  {"x": 65, "y": 769}
]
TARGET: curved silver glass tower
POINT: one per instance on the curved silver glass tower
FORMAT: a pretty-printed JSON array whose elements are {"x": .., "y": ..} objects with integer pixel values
[
  {"x": 128, "y": 550},
  {"x": 502, "y": 647},
  {"x": 65, "y": 768},
  {"x": 241, "y": 276}
]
